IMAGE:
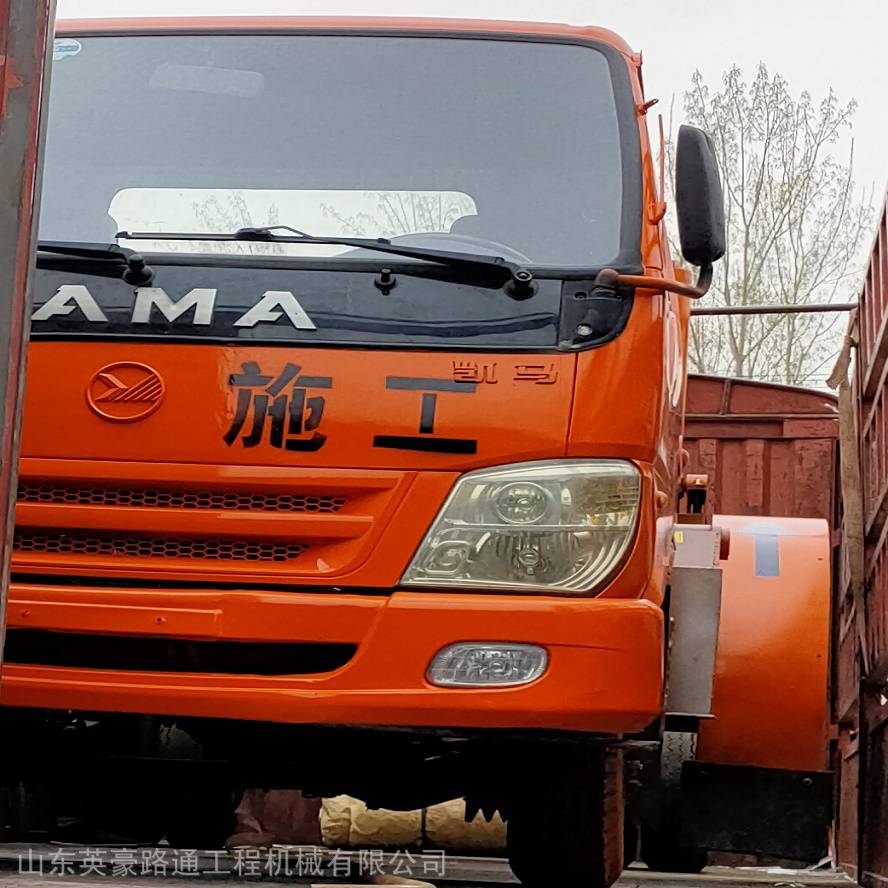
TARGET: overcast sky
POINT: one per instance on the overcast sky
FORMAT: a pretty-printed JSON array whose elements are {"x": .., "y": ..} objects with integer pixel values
[{"x": 815, "y": 44}]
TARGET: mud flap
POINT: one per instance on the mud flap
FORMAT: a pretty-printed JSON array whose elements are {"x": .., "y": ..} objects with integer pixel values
[{"x": 766, "y": 811}]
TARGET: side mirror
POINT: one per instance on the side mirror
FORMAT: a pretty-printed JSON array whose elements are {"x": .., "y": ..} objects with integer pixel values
[{"x": 699, "y": 200}]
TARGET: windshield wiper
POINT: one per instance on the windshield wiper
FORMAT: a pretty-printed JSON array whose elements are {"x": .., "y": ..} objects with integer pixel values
[
  {"x": 132, "y": 266},
  {"x": 518, "y": 280}
]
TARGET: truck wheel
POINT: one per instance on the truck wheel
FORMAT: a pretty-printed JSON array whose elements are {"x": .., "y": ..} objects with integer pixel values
[
  {"x": 661, "y": 847},
  {"x": 568, "y": 825},
  {"x": 630, "y": 843},
  {"x": 131, "y": 814},
  {"x": 201, "y": 817},
  {"x": 661, "y": 851}
]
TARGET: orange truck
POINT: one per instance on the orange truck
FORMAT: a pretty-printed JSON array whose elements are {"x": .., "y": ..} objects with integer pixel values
[{"x": 353, "y": 443}]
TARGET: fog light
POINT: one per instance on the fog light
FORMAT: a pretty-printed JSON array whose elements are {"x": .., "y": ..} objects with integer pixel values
[{"x": 487, "y": 664}]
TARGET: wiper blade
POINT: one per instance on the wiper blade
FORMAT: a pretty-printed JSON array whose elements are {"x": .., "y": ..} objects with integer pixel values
[
  {"x": 518, "y": 280},
  {"x": 134, "y": 269}
]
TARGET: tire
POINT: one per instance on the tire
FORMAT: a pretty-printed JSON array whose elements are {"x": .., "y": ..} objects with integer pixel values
[
  {"x": 115, "y": 814},
  {"x": 661, "y": 851},
  {"x": 568, "y": 826},
  {"x": 661, "y": 847},
  {"x": 630, "y": 843},
  {"x": 197, "y": 818},
  {"x": 201, "y": 818}
]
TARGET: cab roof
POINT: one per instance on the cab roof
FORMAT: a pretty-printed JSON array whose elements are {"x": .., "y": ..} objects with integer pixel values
[{"x": 316, "y": 23}]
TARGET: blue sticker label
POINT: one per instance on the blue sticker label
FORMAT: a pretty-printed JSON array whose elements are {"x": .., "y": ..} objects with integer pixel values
[{"x": 65, "y": 47}]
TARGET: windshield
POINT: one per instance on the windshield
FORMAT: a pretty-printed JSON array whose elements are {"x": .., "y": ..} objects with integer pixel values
[{"x": 504, "y": 147}]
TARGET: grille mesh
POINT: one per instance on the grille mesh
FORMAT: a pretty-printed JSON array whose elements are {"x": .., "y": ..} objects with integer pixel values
[
  {"x": 126, "y": 546},
  {"x": 158, "y": 498}
]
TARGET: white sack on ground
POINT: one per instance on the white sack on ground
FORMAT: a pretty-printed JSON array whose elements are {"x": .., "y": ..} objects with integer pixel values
[{"x": 347, "y": 822}]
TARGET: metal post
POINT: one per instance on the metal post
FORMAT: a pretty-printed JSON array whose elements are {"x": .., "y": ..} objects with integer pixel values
[
  {"x": 25, "y": 35},
  {"x": 800, "y": 308}
]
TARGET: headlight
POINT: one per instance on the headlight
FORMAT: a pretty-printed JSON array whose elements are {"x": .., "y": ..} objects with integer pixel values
[{"x": 544, "y": 526}]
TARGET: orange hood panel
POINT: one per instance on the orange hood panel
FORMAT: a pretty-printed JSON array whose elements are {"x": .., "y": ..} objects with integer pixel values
[{"x": 286, "y": 406}]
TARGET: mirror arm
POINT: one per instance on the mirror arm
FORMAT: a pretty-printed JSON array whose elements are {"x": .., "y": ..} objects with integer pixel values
[{"x": 649, "y": 282}]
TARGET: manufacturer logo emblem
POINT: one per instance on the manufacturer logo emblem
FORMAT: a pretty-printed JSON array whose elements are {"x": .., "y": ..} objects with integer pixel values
[{"x": 125, "y": 392}]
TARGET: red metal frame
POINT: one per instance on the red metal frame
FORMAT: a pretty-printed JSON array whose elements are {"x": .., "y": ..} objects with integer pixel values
[{"x": 860, "y": 652}]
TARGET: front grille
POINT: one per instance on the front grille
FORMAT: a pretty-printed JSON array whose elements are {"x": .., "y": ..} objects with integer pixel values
[
  {"x": 142, "y": 654},
  {"x": 214, "y": 523},
  {"x": 126, "y": 546},
  {"x": 177, "y": 498}
]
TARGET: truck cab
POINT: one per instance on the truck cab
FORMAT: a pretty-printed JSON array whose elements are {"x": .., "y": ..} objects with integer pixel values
[{"x": 352, "y": 439}]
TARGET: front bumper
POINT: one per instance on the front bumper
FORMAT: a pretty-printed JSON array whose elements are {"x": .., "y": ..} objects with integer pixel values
[{"x": 605, "y": 671}]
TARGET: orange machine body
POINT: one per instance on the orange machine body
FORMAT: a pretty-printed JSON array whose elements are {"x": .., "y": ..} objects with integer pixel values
[
  {"x": 770, "y": 687},
  {"x": 120, "y": 517}
]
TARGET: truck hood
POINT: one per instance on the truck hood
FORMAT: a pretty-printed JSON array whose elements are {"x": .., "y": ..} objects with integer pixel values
[{"x": 293, "y": 406}]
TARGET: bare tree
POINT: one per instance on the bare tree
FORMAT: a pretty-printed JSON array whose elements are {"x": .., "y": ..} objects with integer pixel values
[
  {"x": 220, "y": 213},
  {"x": 404, "y": 212},
  {"x": 215, "y": 214},
  {"x": 795, "y": 226}
]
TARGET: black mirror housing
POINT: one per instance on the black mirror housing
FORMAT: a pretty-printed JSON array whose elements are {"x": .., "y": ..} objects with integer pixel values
[{"x": 699, "y": 200}]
